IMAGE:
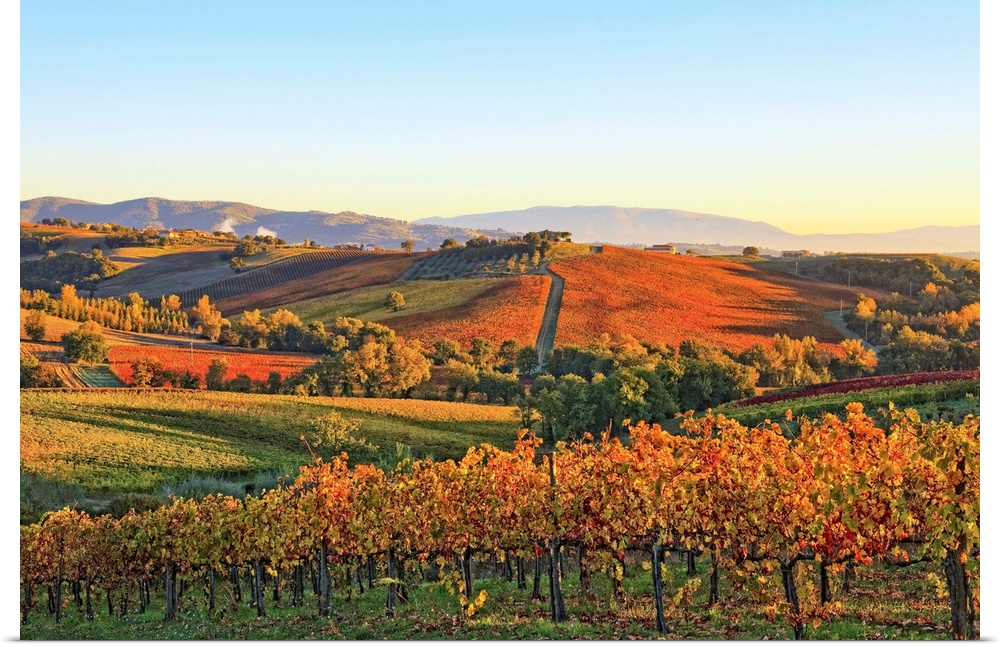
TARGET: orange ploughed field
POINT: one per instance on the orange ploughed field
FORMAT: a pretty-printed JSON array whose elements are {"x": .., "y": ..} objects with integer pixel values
[
  {"x": 257, "y": 364},
  {"x": 511, "y": 309},
  {"x": 671, "y": 298}
]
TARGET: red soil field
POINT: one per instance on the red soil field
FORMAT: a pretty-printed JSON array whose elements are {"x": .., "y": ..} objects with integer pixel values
[
  {"x": 370, "y": 271},
  {"x": 255, "y": 364},
  {"x": 671, "y": 298},
  {"x": 512, "y": 309}
]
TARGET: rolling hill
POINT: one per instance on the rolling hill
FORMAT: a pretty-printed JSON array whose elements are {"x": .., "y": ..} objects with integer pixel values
[
  {"x": 376, "y": 269},
  {"x": 496, "y": 309},
  {"x": 140, "y": 440},
  {"x": 509, "y": 308},
  {"x": 671, "y": 298}
]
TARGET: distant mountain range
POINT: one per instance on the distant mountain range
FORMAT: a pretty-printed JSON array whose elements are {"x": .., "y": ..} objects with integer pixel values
[
  {"x": 621, "y": 226},
  {"x": 292, "y": 226},
  {"x": 598, "y": 224}
]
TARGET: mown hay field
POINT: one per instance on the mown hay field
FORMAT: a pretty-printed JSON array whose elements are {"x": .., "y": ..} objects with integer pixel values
[{"x": 672, "y": 298}]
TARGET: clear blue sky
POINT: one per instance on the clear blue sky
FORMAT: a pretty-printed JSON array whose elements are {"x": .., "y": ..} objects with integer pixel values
[{"x": 816, "y": 116}]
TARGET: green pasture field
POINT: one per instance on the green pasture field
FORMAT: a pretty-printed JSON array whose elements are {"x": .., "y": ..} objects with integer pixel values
[
  {"x": 129, "y": 440},
  {"x": 884, "y": 603},
  {"x": 368, "y": 303}
]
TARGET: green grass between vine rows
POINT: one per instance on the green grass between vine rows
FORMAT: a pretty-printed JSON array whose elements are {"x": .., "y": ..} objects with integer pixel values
[{"x": 885, "y": 603}]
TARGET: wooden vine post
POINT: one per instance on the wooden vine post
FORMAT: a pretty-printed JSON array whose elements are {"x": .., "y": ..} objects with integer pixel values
[{"x": 555, "y": 571}]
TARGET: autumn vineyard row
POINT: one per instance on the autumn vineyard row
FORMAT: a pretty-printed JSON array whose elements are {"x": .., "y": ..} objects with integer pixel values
[
  {"x": 288, "y": 269},
  {"x": 773, "y": 514},
  {"x": 860, "y": 384}
]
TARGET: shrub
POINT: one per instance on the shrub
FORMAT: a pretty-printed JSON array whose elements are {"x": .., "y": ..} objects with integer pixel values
[
  {"x": 40, "y": 495},
  {"x": 34, "y": 374},
  {"x": 123, "y": 504},
  {"x": 332, "y": 434}
]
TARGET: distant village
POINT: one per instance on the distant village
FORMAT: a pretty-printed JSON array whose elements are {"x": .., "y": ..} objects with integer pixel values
[{"x": 792, "y": 254}]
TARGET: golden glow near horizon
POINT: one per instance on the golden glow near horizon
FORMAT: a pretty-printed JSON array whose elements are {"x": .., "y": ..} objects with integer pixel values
[
  {"x": 830, "y": 117},
  {"x": 796, "y": 214}
]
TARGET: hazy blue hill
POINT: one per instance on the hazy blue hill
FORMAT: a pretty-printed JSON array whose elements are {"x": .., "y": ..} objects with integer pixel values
[
  {"x": 293, "y": 226},
  {"x": 619, "y": 225},
  {"x": 625, "y": 226},
  {"x": 597, "y": 224}
]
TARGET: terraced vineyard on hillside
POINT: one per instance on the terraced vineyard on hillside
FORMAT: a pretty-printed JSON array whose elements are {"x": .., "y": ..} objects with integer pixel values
[
  {"x": 490, "y": 261},
  {"x": 288, "y": 269},
  {"x": 377, "y": 269}
]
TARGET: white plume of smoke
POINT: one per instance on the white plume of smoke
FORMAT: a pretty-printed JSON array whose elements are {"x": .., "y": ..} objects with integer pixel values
[
  {"x": 264, "y": 231},
  {"x": 226, "y": 225}
]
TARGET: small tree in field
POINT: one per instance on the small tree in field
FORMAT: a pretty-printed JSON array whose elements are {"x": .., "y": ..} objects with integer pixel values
[
  {"x": 86, "y": 344},
  {"x": 215, "y": 379},
  {"x": 481, "y": 351},
  {"x": 751, "y": 252},
  {"x": 527, "y": 360},
  {"x": 236, "y": 263},
  {"x": 34, "y": 325},
  {"x": 408, "y": 245},
  {"x": 395, "y": 301}
]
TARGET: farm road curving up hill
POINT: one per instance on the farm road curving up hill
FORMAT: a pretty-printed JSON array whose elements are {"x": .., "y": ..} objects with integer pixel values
[{"x": 547, "y": 332}]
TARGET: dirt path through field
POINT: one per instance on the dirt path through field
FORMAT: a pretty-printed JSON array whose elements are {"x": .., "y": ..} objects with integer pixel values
[
  {"x": 837, "y": 321},
  {"x": 547, "y": 332}
]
